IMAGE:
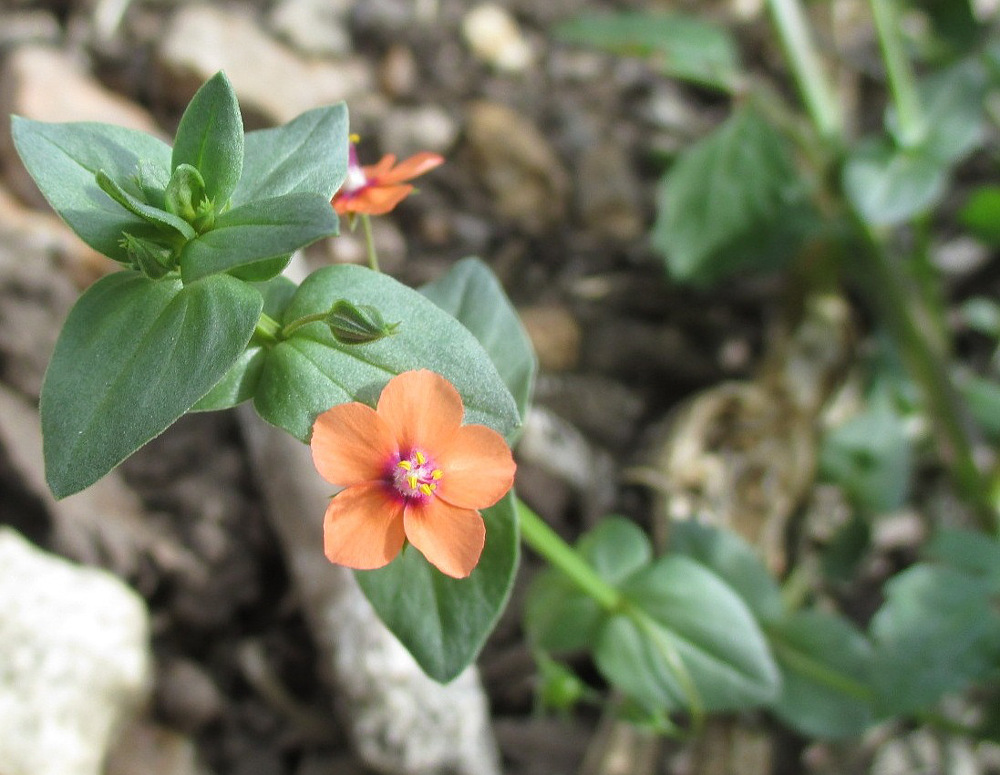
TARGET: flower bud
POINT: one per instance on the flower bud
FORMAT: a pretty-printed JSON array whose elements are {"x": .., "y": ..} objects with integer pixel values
[
  {"x": 149, "y": 257},
  {"x": 357, "y": 323},
  {"x": 185, "y": 193}
]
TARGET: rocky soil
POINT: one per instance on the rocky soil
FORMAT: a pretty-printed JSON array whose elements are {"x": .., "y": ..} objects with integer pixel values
[{"x": 553, "y": 154}]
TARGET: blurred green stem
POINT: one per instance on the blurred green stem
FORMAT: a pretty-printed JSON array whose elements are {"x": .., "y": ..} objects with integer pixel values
[
  {"x": 366, "y": 223},
  {"x": 927, "y": 357},
  {"x": 912, "y": 124},
  {"x": 796, "y": 39},
  {"x": 267, "y": 330},
  {"x": 546, "y": 542}
]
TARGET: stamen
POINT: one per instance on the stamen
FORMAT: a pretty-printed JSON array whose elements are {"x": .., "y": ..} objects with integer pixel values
[
  {"x": 426, "y": 489},
  {"x": 406, "y": 465},
  {"x": 412, "y": 481},
  {"x": 419, "y": 456},
  {"x": 436, "y": 473}
]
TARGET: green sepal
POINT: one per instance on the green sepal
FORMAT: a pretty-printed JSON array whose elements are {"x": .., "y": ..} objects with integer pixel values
[
  {"x": 357, "y": 323},
  {"x": 133, "y": 356}
]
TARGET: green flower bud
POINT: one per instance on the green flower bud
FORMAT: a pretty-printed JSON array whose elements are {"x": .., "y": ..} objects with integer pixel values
[
  {"x": 151, "y": 258},
  {"x": 357, "y": 323},
  {"x": 185, "y": 193}
]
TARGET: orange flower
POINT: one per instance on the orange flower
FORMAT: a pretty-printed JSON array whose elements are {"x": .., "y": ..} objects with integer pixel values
[
  {"x": 412, "y": 472},
  {"x": 377, "y": 189}
]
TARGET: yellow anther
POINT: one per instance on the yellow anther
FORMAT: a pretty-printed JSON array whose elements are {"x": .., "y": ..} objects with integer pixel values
[
  {"x": 405, "y": 465},
  {"x": 420, "y": 458},
  {"x": 412, "y": 481},
  {"x": 354, "y": 137},
  {"x": 426, "y": 489},
  {"x": 437, "y": 473}
]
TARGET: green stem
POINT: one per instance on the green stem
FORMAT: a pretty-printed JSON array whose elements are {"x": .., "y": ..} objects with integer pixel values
[
  {"x": 366, "y": 223},
  {"x": 305, "y": 320},
  {"x": 268, "y": 329},
  {"x": 912, "y": 124},
  {"x": 927, "y": 357},
  {"x": 546, "y": 542},
  {"x": 796, "y": 39}
]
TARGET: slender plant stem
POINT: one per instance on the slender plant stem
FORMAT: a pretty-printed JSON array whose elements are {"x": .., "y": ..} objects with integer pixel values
[
  {"x": 546, "y": 542},
  {"x": 927, "y": 357},
  {"x": 912, "y": 123},
  {"x": 366, "y": 223},
  {"x": 817, "y": 94},
  {"x": 305, "y": 320},
  {"x": 268, "y": 329}
]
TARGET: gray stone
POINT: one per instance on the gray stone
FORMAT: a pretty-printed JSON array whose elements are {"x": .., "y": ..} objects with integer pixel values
[
  {"x": 314, "y": 27},
  {"x": 74, "y": 661},
  {"x": 273, "y": 83}
]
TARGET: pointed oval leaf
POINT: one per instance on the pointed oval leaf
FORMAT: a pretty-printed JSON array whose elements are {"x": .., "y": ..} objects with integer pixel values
[
  {"x": 310, "y": 372},
  {"x": 732, "y": 202},
  {"x": 471, "y": 293},
  {"x": 688, "y": 611},
  {"x": 210, "y": 138},
  {"x": 888, "y": 185},
  {"x": 63, "y": 160},
  {"x": 263, "y": 229},
  {"x": 826, "y": 673},
  {"x": 443, "y": 622},
  {"x": 133, "y": 356},
  {"x": 306, "y": 155}
]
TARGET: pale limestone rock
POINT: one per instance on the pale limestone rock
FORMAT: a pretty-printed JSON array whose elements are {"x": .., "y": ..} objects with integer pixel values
[
  {"x": 495, "y": 37},
  {"x": 273, "y": 83},
  {"x": 49, "y": 85},
  {"x": 400, "y": 721},
  {"x": 74, "y": 661}
]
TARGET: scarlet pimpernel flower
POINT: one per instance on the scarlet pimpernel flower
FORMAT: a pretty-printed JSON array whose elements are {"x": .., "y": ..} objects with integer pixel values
[
  {"x": 376, "y": 189},
  {"x": 411, "y": 472}
]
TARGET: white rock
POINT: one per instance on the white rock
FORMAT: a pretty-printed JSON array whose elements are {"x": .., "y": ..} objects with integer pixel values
[
  {"x": 314, "y": 27},
  {"x": 495, "y": 37},
  {"x": 74, "y": 661}
]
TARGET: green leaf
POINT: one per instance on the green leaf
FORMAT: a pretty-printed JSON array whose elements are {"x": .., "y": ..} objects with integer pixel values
[
  {"x": 64, "y": 159},
  {"x": 240, "y": 382},
  {"x": 937, "y": 632},
  {"x": 732, "y": 202},
  {"x": 148, "y": 213},
  {"x": 686, "y": 613},
  {"x": 869, "y": 456},
  {"x": 968, "y": 552},
  {"x": 443, "y": 622},
  {"x": 888, "y": 185},
  {"x": 825, "y": 668},
  {"x": 981, "y": 214},
  {"x": 471, "y": 293},
  {"x": 952, "y": 103},
  {"x": 561, "y": 618},
  {"x": 210, "y": 139},
  {"x": 681, "y": 46},
  {"x": 310, "y": 371},
  {"x": 263, "y": 229},
  {"x": 982, "y": 396},
  {"x": 133, "y": 356},
  {"x": 307, "y": 155},
  {"x": 735, "y": 562}
]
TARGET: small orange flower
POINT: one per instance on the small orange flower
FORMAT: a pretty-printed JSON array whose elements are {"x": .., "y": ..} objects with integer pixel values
[
  {"x": 412, "y": 472},
  {"x": 377, "y": 189}
]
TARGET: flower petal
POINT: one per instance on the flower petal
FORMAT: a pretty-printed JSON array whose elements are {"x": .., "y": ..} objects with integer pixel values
[
  {"x": 410, "y": 168},
  {"x": 363, "y": 527},
  {"x": 451, "y": 538},
  {"x": 352, "y": 444},
  {"x": 422, "y": 409},
  {"x": 378, "y": 200},
  {"x": 381, "y": 168},
  {"x": 478, "y": 467}
]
